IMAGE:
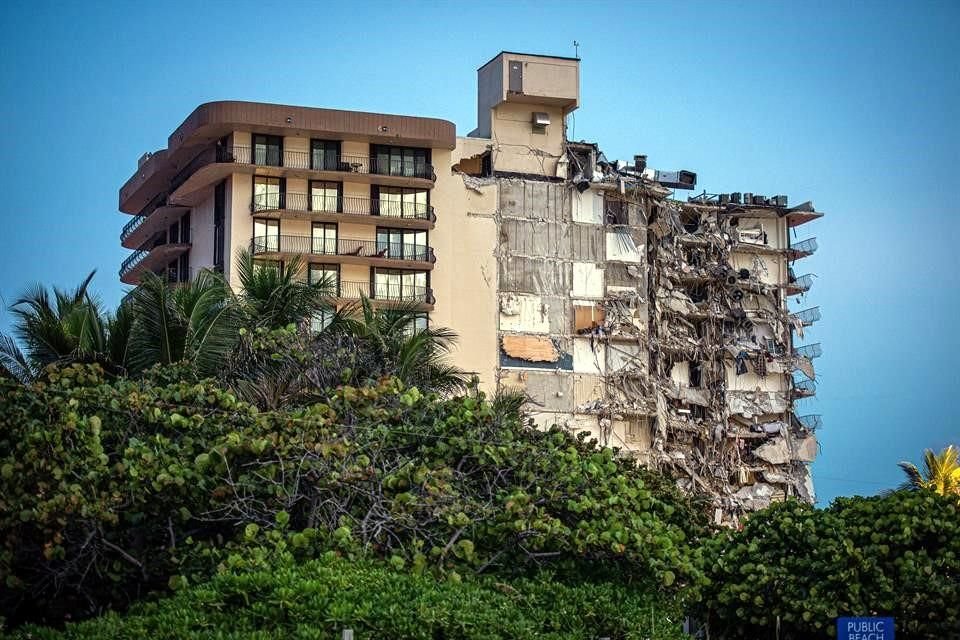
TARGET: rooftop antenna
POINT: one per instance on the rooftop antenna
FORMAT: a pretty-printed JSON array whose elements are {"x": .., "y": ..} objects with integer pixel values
[{"x": 576, "y": 49}]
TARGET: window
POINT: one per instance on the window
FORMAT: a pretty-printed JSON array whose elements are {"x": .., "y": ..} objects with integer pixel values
[
  {"x": 184, "y": 267},
  {"x": 328, "y": 274},
  {"x": 401, "y": 203},
  {"x": 276, "y": 265},
  {"x": 402, "y": 244},
  {"x": 267, "y": 150},
  {"x": 321, "y": 320},
  {"x": 268, "y": 193},
  {"x": 401, "y": 161},
  {"x": 615, "y": 211},
  {"x": 266, "y": 235},
  {"x": 418, "y": 323},
  {"x": 397, "y": 284},
  {"x": 173, "y": 234},
  {"x": 185, "y": 228},
  {"x": 324, "y": 238},
  {"x": 325, "y": 196},
  {"x": 325, "y": 155},
  {"x": 219, "y": 206}
]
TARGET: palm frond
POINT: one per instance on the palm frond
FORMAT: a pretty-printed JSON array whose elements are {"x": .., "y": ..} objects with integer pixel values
[{"x": 13, "y": 360}]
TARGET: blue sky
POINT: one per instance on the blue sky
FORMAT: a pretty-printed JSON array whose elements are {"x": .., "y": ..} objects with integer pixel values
[{"x": 851, "y": 105}]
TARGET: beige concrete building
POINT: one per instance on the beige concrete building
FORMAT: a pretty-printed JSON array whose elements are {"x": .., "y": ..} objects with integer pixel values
[{"x": 660, "y": 325}]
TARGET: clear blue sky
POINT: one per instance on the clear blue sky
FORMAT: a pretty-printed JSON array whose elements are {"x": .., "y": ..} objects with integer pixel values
[{"x": 851, "y": 105}]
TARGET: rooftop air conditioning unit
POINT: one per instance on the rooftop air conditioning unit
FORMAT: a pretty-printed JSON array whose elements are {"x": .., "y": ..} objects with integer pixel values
[{"x": 677, "y": 179}]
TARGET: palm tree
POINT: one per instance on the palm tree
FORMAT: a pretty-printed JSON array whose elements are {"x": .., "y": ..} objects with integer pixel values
[
  {"x": 941, "y": 472},
  {"x": 69, "y": 326},
  {"x": 397, "y": 347},
  {"x": 275, "y": 297},
  {"x": 197, "y": 322}
]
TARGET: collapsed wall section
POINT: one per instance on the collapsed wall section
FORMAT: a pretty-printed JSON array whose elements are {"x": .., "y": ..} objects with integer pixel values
[
  {"x": 660, "y": 327},
  {"x": 573, "y": 312}
]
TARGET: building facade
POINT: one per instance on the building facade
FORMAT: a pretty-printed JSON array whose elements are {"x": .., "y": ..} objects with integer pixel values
[{"x": 661, "y": 325}]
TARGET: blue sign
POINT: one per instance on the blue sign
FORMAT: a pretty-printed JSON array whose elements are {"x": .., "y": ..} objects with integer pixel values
[{"x": 865, "y": 629}]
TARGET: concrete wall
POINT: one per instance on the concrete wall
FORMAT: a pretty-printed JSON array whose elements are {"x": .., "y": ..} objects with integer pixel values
[
  {"x": 518, "y": 148},
  {"x": 464, "y": 279},
  {"x": 201, "y": 235}
]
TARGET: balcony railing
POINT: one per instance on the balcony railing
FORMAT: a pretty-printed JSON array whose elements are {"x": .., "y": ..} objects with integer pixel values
[
  {"x": 801, "y": 284},
  {"x": 305, "y": 160},
  {"x": 804, "y": 388},
  {"x": 811, "y": 422},
  {"x": 809, "y": 351},
  {"x": 308, "y": 245},
  {"x": 352, "y": 205},
  {"x": 807, "y": 316},
  {"x": 134, "y": 223},
  {"x": 390, "y": 292},
  {"x": 132, "y": 226},
  {"x": 132, "y": 261},
  {"x": 803, "y": 249}
]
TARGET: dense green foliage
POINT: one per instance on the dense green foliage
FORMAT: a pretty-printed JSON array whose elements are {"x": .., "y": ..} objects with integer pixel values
[
  {"x": 261, "y": 341},
  {"x": 895, "y": 555},
  {"x": 111, "y": 489},
  {"x": 320, "y": 598}
]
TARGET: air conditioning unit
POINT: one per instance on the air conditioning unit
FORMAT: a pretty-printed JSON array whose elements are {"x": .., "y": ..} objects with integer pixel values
[
  {"x": 540, "y": 119},
  {"x": 677, "y": 179}
]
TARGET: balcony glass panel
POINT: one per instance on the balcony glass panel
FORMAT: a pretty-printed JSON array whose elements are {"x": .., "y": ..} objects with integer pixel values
[
  {"x": 324, "y": 238},
  {"x": 267, "y": 150}
]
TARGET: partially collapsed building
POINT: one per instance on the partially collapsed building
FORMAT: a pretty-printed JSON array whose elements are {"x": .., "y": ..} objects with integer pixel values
[{"x": 660, "y": 324}]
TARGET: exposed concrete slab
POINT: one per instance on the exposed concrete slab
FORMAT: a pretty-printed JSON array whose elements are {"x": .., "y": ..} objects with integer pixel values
[
  {"x": 535, "y": 238},
  {"x": 535, "y": 275}
]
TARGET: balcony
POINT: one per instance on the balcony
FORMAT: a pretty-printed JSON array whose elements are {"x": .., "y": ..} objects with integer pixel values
[
  {"x": 804, "y": 389},
  {"x": 798, "y": 285},
  {"x": 808, "y": 316},
  {"x": 809, "y": 351},
  {"x": 144, "y": 260},
  {"x": 811, "y": 422},
  {"x": 345, "y": 250},
  {"x": 216, "y": 163},
  {"x": 155, "y": 217},
  {"x": 802, "y": 249},
  {"x": 386, "y": 292},
  {"x": 345, "y": 209}
]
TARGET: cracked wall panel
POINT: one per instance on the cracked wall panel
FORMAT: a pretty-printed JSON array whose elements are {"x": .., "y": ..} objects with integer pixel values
[
  {"x": 586, "y": 243},
  {"x": 548, "y": 391},
  {"x": 534, "y": 275},
  {"x": 635, "y": 433},
  {"x": 623, "y": 247},
  {"x": 545, "y": 420},
  {"x": 587, "y": 206},
  {"x": 535, "y": 239},
  {"x": 589, "y": 356},
  {"x": 524, "y": 313},
  {"x": 587, "y": 392},
  {"x": 534, "y": 200}
]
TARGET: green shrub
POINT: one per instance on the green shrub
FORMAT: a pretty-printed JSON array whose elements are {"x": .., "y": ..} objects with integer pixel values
[
  {"x": 320, "y": 598},
  {"x": 109, "y": 491},
  {"x": 896, "y": 555}
]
